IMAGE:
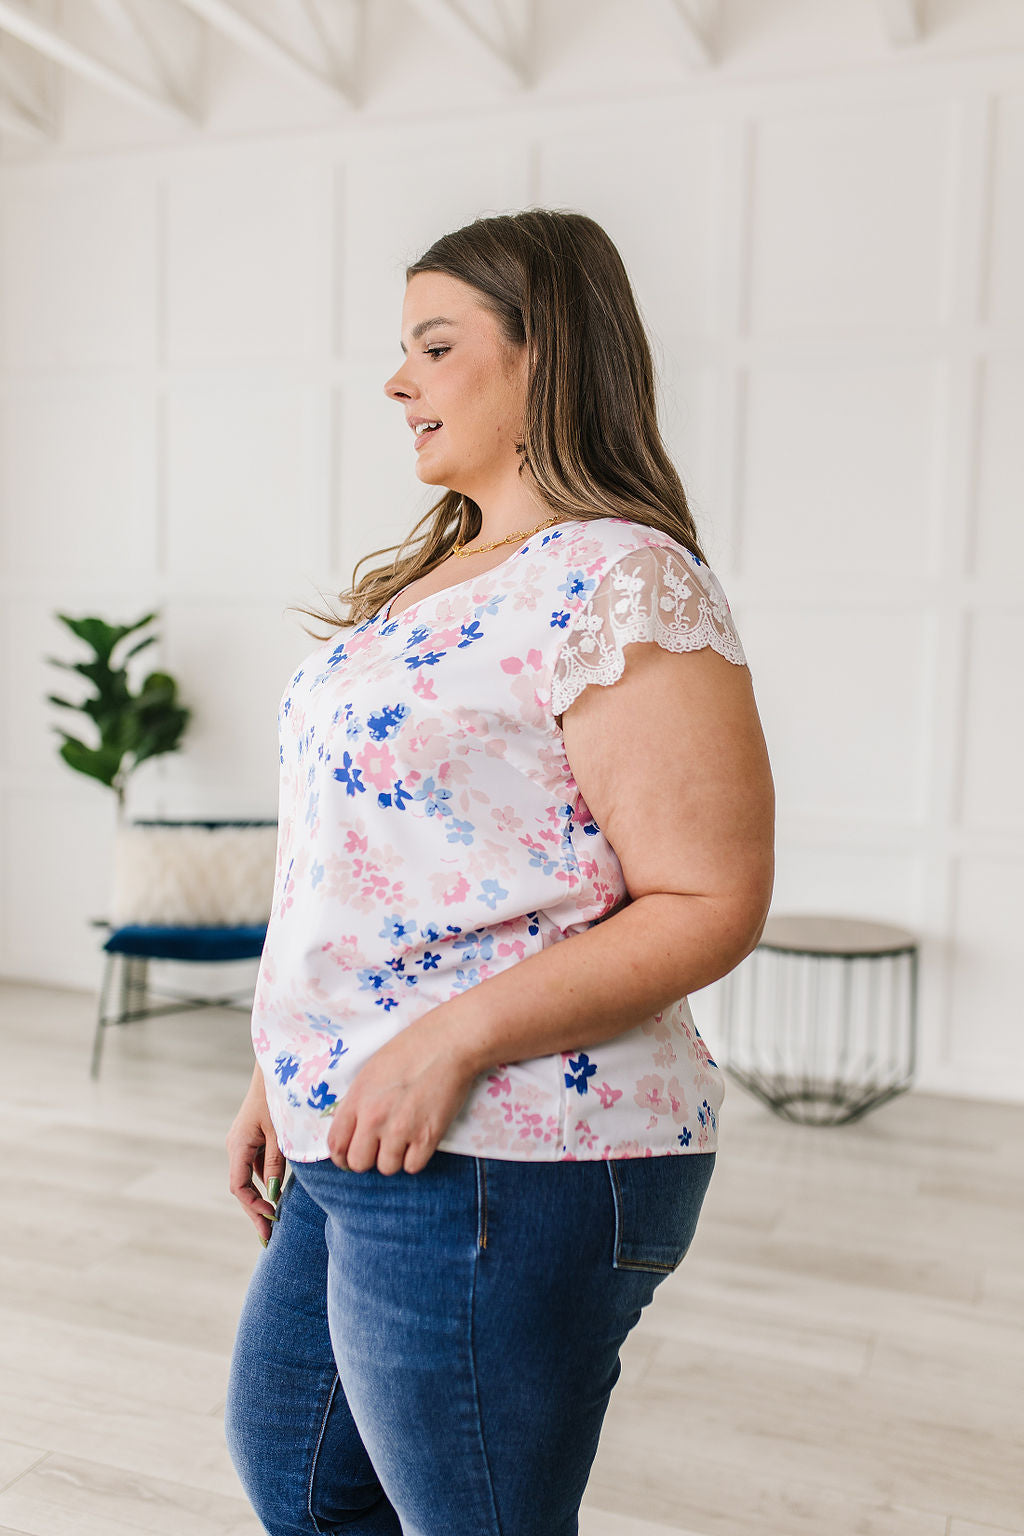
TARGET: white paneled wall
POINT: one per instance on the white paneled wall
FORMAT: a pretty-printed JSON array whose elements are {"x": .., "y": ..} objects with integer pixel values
[{"x": 194, "y": 339}]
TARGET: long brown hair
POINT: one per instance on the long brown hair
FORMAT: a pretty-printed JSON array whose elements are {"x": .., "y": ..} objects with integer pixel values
[{"x": 556, "y": 284}]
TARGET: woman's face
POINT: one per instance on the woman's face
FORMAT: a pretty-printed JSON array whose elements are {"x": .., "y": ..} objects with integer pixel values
[{"x": 462, "y": 374}]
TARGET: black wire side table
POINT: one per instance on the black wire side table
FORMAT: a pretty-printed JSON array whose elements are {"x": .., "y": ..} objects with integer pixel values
[{"x": 820, "y": 1020}]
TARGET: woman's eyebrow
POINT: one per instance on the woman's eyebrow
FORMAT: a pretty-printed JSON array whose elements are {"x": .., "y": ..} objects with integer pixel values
[{"x": 425, "y": 325}]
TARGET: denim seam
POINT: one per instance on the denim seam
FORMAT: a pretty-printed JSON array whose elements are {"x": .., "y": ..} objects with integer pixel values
[
  {"x": 316, "y": 1452},
  {"x": 481, "y": 1194},
  {"x": 617, "y": 1203},
  {"x": 476, "y": 1396}
]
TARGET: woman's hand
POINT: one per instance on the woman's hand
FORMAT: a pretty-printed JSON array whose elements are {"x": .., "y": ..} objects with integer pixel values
[
  {"x": 402, "y": 1101},
  {"x": 252, "y": 1149}
]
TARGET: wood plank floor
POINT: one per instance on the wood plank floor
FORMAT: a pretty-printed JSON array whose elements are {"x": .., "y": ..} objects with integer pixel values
[{"x": 840, "y": 1354}]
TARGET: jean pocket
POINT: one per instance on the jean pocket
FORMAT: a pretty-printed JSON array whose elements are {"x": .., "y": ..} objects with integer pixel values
[{"x": 657, "y": 1202}]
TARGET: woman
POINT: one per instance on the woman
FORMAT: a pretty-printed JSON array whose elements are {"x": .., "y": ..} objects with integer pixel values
[{"x": 495, "y": 886}]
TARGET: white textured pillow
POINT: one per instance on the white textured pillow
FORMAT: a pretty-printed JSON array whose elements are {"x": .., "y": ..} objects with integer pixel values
[{"x": 193, "y": 876}]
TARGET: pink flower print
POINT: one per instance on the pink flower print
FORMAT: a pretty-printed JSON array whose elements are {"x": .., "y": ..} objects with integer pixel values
[
  {"x": 443, "y": 638},
  {"x": 312, "y": 1070},
  {"x": 608, "y": 1095},
  {"x": 529, "y": 1124},
  {"x": 649, "y": 1094},
  {"x": 586, "y": 1136},
  {"x": 261, "y": 1042},
  {"x": 652, "y": 1122},
  {"x": 378, "y": 764},
  {"x": 677, "y": 1098},
  {"x": 664, "y": 1056},
  {"x": 506, "y": 819},
  {"x": 499, "y": 1085},
  {"x": 355, "y": 842},
  {"x": 450, "y": 888}
]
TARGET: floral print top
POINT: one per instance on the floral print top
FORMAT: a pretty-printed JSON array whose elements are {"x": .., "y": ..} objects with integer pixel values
[{"x": 430, "y": 834}]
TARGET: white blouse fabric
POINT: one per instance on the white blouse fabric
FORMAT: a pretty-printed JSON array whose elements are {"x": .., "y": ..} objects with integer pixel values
[{"x": 431, "y": 834}]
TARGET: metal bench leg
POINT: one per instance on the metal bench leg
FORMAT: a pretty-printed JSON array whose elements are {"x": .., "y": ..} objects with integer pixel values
[{"x": 101, "y": 1021}]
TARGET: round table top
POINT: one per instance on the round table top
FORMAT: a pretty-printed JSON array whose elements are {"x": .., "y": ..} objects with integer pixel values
[{"x": 821, "y": 935}]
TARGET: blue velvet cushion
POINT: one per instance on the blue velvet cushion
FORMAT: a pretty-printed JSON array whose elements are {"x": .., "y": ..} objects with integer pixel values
[{"x": 154, "y": 943}]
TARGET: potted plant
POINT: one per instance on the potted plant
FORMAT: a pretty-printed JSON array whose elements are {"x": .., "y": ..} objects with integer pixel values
[{"x": 132, "y": 727}]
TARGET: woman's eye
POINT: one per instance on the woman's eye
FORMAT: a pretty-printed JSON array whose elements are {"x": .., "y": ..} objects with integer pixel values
[{"x": 436, "y": 351}]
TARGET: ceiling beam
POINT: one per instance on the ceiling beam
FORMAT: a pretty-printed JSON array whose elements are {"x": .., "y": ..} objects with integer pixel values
[
  {"x": 902, "y": 21},
  {"x": 471, "y": 41},
  {"x": 254, "y": 39},
  {"x": 19, "y": 93},
  {"x": 124, "y": 17},
  {"x": 25, "y": 125},
  {"x": 53, "y": 44},
  {"x": 693, "y": 41}
]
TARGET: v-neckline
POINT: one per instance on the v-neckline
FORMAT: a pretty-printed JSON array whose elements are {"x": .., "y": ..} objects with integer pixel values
[{"x": 384, "y": 616}]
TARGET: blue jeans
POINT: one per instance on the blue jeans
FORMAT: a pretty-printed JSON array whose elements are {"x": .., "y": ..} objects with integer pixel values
[{"x": 432, "y": 1354}]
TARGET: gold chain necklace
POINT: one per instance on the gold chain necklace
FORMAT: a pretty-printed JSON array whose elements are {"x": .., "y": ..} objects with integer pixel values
[{"x": 459, "y": 548}]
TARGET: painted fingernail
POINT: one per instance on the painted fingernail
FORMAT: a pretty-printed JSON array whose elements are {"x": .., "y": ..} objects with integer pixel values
[
  {"x": 263, "y": 1240},
  {"x": 274, "y": 1189}
]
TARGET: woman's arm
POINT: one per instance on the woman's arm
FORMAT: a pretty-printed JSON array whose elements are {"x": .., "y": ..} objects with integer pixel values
[{"x": 672, "y": 763}]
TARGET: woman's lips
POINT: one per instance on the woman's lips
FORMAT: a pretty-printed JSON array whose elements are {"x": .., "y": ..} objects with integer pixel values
[{"x": 424, "y": 437}]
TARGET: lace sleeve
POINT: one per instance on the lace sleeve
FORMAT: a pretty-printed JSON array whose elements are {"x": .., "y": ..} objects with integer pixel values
[{"x": 655, "y": 593}]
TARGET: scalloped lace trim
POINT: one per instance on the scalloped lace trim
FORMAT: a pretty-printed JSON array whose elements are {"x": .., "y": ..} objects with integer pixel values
[{"x": 656, "y": 594}]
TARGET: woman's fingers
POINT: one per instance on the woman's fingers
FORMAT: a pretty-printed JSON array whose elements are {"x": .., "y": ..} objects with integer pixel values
[{"x": 249, "y": 1152}]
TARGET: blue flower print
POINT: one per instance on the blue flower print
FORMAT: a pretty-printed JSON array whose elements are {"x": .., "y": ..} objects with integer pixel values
[
  {"x": 396, "y": 799},
  {"x": 316, "y": 874},
  {"x": 430, "y": 962},
  {"x": 433, "y": 931},
  {"x": 684, "y": 1138},
  {"x": 577, "y": 584},
  {"x": 541, "y": 858},
  {"x": 312, "y": 807},
  {"x": 464, "y": 979},
  {"x": 461, "y": 831},
  {"x": 470, "y": 633},
  {"x": 350, "y": 776},
  {"x": 321, "y": 1098},
  {"x": 580, "y": 1069},
  {"x": 492, "y": 892},
  {"x": 338, "y": 1050},
  {"x": 434, "y": 796},
  {"x": 353, "y": 724},
  {"x": 424, "y": 659},
  {"x": 285, "y": 1067},
  {"x": 387, "y": 722},
  {"x": 559, "y": 620},
  {"x": 478, "y": 944},
  {"x": 396, "y": 929},
  {"x": 372, "y": 979}
]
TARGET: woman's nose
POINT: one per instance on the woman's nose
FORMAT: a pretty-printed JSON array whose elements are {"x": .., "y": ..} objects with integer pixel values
[{"x": 396, "y": 386}]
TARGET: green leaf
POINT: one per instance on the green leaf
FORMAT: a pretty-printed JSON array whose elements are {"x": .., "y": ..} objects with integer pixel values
[{"x": 98, "y": 763}]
